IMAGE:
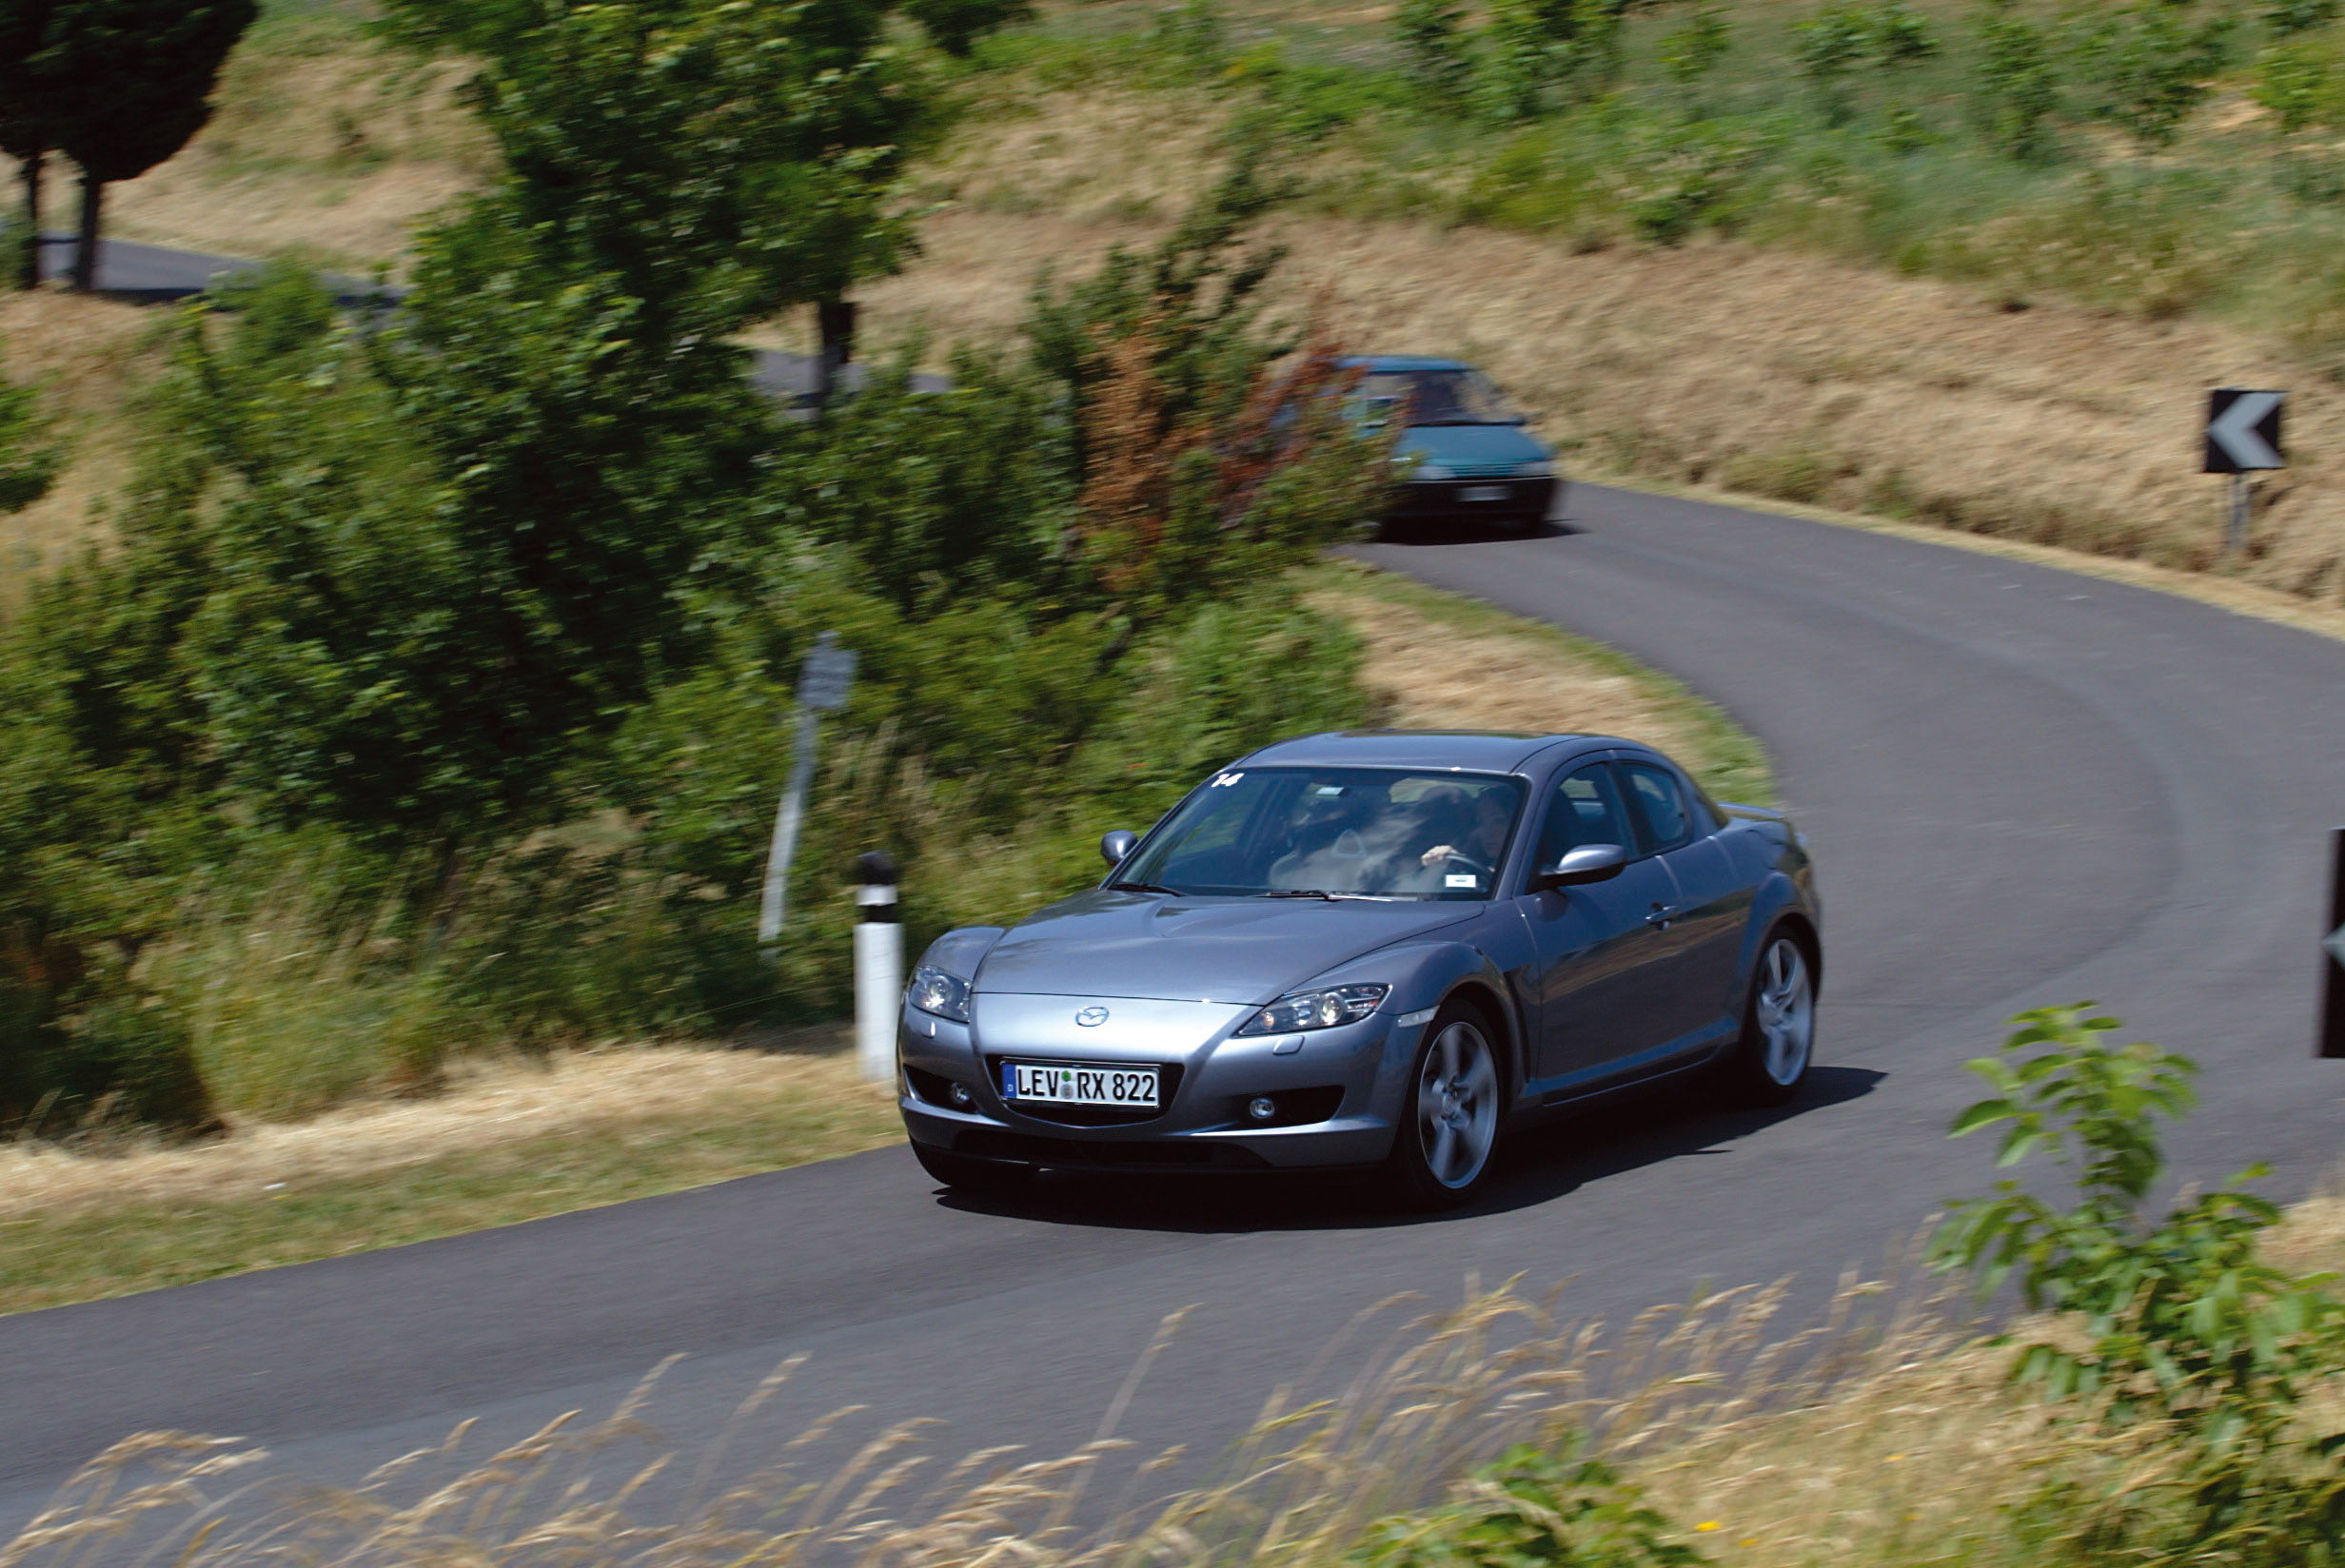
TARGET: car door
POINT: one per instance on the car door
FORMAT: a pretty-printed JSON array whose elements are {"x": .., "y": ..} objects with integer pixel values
[
  {"x": 1701, "y": 941},
  {"x": 1598, "y": 946}
]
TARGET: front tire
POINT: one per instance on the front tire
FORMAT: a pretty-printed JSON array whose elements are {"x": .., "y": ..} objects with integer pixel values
[
  {"x": 964, "y": 1174},
  {"x": 1778, "y": 1044},
  {"x": 1447, "y": 1139}
]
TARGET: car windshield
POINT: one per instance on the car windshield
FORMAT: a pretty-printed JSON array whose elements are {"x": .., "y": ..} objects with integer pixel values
[
  {"x": 1337, "y": 832},
  {"x": 1435, "y": 397}
]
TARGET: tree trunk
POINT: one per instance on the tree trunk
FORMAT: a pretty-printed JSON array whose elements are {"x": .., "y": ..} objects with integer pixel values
[
  {"x": 86, "y": 253},
  {"x": 834, "y": 324},
  {"x": 29, "y": 259}
]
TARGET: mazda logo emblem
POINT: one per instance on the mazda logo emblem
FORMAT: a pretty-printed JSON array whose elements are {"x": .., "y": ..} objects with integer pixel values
[{"x": 1091, "y": 1017}]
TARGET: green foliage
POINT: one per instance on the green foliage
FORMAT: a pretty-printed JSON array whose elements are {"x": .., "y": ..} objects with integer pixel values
[
  {"x": 2185, "y": 1323},
  {"x": 1433, "y": 40},
  {"x": 1691, "y": 50},
  {"x": 29, "y": 460},
  {"x": 1532, "y": 1510},
  {"x": 2016, "y": 85},
  {"x": 1827, "y": 45},
  {"x": 124, "y": 84},
  {"x": 2296, "y": 83},
  {"x": 2153, "y": 65},
  {"x": 2288, "y": 17}
]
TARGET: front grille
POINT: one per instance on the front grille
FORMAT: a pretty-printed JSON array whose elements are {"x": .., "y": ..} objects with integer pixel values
[{"x": 1167, "y": 1080}]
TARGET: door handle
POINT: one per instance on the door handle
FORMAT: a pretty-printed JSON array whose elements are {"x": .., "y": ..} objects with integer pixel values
[{"x": 1662, "y": 915}]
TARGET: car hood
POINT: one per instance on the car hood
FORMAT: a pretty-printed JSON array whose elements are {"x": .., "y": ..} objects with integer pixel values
[
  {"x": 1240, "y": 951},
  {"x": 1474, "y": 445}
]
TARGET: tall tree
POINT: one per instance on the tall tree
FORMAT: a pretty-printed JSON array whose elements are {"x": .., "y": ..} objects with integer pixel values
[
  {"x": 129, "y": 82},
  {"x": 24, "y": 25}
]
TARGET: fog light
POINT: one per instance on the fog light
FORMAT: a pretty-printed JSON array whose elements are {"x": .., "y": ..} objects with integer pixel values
[
  {"x": 1261, "y": 1108},
  {"x": 961, "y": 1097}
]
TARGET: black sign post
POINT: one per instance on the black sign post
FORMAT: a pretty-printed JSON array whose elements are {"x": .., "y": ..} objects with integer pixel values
[
  {"x": 2333, "y": 956},
  {"x": 2242, "y": 436}
]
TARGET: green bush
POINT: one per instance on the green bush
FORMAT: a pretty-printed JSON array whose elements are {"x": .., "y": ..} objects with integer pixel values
[
  {"x": 2188, "y": 1343},
  {"x": 1532, "y": 1510}
]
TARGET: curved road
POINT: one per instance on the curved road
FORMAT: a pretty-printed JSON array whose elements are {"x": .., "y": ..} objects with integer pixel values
[{"x": 2024, "y": 786}]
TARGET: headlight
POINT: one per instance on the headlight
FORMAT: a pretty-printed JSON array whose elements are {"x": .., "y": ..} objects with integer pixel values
[
  {"x": 1535, "y": 471},
  {"x": 933, "y": 991},
  {"x": 1432, "y": 471},
  {"x": 1316, "y": 1009}
]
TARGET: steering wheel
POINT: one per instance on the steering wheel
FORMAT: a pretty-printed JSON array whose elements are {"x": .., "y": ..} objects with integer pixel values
[{"x": 1468, "y": 860}]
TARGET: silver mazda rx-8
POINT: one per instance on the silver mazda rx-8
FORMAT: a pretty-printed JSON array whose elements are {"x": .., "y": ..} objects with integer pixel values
[{"x": 1382, "y": 950}]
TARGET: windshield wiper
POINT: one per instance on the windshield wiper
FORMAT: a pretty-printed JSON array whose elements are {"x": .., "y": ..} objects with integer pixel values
[
  {"x": 1143, "y": 887},
  {"x": 1299, "y": 893},
  {"x": 1338, "y": 897}
]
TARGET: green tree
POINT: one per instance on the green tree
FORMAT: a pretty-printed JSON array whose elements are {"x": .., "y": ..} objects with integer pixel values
[
  {"x": 1897, "y": 38},
  {"x": 24, "y": 131},
  {"x": 128, "y": 83}
]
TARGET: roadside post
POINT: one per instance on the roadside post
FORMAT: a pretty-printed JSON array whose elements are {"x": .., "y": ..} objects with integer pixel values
[
  {"x": 2242, "y": 436},
  {"x": 878, "y": 966},
  {"x": 822, "y": 683},
  {"x": 2331, "y": 1042}
]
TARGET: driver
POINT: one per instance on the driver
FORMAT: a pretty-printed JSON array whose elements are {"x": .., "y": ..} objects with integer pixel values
[{"x": 1481, "y": 843}]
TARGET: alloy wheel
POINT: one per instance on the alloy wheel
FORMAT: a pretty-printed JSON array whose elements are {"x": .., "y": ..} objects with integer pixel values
[
  {"x": 1786, "y": 1013},
  {"x": 1457, "y": 1104}
]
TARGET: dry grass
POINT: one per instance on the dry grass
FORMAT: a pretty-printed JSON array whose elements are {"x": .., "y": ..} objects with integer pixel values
[
  {"x": 324, "y": 146},
  {"x": 88, "y": 358},
  {"x": 1438, "y": 661},
  {"x": 484, "y": 1105},
  {"x": 1784, "y": 376}
]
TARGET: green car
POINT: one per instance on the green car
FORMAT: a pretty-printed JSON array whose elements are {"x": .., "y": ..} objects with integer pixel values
[{"x": 1464, "y": 454}]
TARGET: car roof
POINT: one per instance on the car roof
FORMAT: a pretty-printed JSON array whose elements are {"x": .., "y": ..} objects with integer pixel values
[
  {"x": 1401, "y": 362},
  {"x": 1468, "y": 750}
]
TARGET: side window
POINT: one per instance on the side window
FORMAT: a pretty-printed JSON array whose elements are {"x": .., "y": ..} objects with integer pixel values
[
  {"x": 1660, "y": 804},
  {"x": 1584, "y": 808}
]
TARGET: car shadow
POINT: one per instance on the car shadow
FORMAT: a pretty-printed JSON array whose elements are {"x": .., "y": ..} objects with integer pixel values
[
  {"x": 1467, "y": 531},
  {"x": 1619, "y": 1136}
]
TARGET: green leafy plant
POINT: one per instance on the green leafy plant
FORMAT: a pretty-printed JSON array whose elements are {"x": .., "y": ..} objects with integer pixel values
[
  {"x": 2153, "y": 65},
  {"x": 2015, "y": 84},
  {"x": 2183, "y": 1322},
  {"x": 1692, "y": 49},
  {"x": 1828, "y": 46},
  {"x": 2294, "y": 81},
  {"x": 1532, "y": 1509},
  {"x": 1431, "y": 34},
  {"x": 2288, "y": 17}
]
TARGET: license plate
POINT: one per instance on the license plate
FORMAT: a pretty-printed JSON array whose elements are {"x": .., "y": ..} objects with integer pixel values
[
  {"x": 1079, "y": 1084},
  {"x": 1483, "y": 492}
]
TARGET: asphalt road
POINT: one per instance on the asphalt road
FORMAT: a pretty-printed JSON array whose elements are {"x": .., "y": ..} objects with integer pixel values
[{"x": 156, "y": 274}]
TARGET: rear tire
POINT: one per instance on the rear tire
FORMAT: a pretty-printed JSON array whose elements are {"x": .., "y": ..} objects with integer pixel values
[
  {"x": 1778, "y": 1044},
  {"x": 1447, "y": 1142},
  {"x": 964, "y": 1174}
]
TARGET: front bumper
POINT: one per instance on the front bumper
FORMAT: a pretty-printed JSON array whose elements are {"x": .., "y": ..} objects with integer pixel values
[
  {"x": 1339, "y": 1090},
  {"x": 1494, "y": 499}
]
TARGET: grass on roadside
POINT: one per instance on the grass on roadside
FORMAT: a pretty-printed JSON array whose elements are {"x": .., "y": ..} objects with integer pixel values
[{"x": 506, "y": 1143}]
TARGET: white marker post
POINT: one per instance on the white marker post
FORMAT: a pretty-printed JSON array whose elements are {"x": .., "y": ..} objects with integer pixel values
[
  {"x": 878, "y": 966},
  {"x": 822, "y": 683},
  {"x": 2243, "y": 436}
]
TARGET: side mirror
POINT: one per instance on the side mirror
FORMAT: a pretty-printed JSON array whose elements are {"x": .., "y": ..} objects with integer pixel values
[
  {"x": 1588, "y": 863},
  {"x": 1116, "y": 848}
]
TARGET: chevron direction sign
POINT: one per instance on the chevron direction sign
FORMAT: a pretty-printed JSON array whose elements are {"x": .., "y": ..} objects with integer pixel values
[
  {"x": 2332, "y": 949},
  {"x": 2243, "y": 430}
]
